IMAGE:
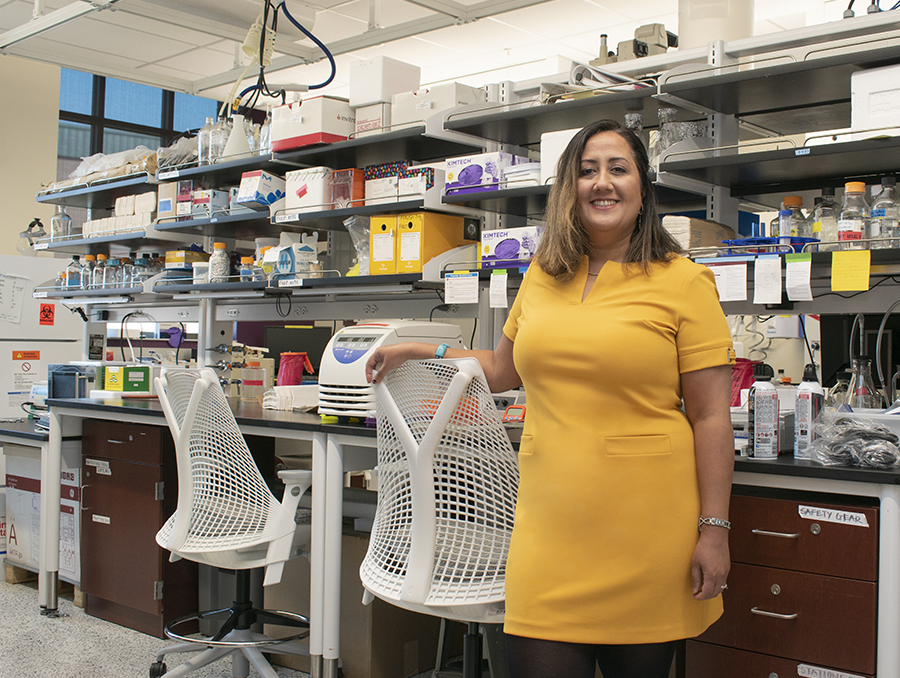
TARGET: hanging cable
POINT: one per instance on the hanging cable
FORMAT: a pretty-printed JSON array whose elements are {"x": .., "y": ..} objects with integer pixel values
[
  {"x": 806, "y": 339},
  {"x": 319, "y": 44}
]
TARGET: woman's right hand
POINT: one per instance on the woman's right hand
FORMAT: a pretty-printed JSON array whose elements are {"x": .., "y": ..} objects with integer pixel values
[{"x": 386, "y": 358}]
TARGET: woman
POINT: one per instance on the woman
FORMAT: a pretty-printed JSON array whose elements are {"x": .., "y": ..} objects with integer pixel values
[{"x": 611, "y": 331}]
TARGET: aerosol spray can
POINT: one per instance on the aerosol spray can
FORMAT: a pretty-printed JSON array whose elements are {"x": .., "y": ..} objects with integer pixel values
[
  {"x": 762, "y": 414},
  {"x": 810, "y": 400}
]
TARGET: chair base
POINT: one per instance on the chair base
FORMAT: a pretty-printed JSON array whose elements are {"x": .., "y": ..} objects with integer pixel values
[{"x": 242, "y": 645}]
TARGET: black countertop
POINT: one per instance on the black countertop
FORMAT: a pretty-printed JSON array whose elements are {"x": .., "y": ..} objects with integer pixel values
[
  {"x": 252, "y": 414},
  {"x": 246, "y": 414}
]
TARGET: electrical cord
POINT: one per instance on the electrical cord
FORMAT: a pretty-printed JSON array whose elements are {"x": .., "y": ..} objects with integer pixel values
[
  {"x": 806, "y": 340},
  {"x": 474, "y": 329},
  {"x": 278, "y": 309},
  {"x": 180, "y": 342},
  {"x": 443, "y": 308},
  {"x": 856, "y": 294},
  {"x": 319, "y": 44}
]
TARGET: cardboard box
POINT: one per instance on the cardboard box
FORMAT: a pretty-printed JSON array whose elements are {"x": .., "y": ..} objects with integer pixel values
[
  {"x": 208, "y": 202},
  {"x": 552, "y": 146},
  {"x": 382, "y": 190},
  {"x": 184, "y": 258},
  {"x": 167, "y": 196},
  {"x": 378, "y": 640},
  {"x": 259, "y": 189},
  {"x": 509, "y": 247},
  {"x": 481, "y": 172},
  {"x": 421, "y": 236},
  {"x": 316, "y": 120},
  {"x": 376, "y": 80},
  {"x": 308, "y": 190},
  {"x": 690, "y": 232},
  {"x": 23, "y": 502},
  {"x": 875, "y": 102},
  {"x": 184, "y": 205},
  {"x": 372, "y": 119},
  {"x": 348, "y": 188},
  {"x": 382, "y": 244},
  {"x": 415, "y": 107}
]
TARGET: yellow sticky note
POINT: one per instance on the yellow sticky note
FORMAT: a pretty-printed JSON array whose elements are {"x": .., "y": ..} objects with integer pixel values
[{"x": 850, "y": 270}]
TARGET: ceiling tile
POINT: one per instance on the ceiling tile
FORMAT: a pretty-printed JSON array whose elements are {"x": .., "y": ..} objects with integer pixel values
[
  {"x": 150, "y": 28},
  {"x": 199, "y": 62}
]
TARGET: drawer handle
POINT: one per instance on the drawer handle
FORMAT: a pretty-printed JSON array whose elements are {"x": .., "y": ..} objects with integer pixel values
[
  {"x": 115, "y": 442},
  {"x": 783, "y": 535},
  {"x": 763, "y": 613}
]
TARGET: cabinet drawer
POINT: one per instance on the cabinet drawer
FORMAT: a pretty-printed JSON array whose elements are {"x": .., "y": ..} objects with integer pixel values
[
  {"x": 703, "y": 660},
  {"x": 822, "y": 620},
  {"x": 127, "y": 442},
  {"x": 772, "y": 532}
]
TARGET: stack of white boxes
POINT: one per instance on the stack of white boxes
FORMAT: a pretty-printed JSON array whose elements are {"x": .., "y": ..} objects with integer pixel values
[
  {"x": 412, "y": 108},
  {"x": 372, "y": 84},
  {"x": 132, "y": 212}
]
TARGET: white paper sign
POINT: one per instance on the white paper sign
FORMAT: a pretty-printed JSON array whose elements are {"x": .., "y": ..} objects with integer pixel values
[
  {"x": 731, "y": 278},
  {"x": 12, "y": 294},
  {"x": 461, "y": 288},
  {"x": 383, "y": 246},
  {"x": 409, "y": 246},
  {"x": 767, "y": 280},
  {"x": 797, "y": 280},
  {"x": 807, "y": 671},
  {"x": 499, "y": 297},
  {"x": 825, "y": 515}
]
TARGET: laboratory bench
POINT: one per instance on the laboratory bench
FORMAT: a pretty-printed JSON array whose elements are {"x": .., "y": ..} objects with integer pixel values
[
  {"x": 766, "y": 490},
  {"x": 336, "y": 448}
]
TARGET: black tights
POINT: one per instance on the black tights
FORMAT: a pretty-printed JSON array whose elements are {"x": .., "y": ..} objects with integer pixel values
[{"x": 533, "y": 658}]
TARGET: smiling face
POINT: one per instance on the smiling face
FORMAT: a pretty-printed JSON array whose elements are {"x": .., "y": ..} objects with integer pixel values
[{"x": 609, "y": 191}]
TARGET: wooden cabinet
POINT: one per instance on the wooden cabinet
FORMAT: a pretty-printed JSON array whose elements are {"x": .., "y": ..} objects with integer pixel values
[
  {"x": 129, "y": 491},
  {"x": 803, "y": 590}
]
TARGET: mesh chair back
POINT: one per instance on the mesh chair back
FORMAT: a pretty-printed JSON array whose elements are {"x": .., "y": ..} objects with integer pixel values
[
  {"x": 224, "y": 505},
  {"x": 446, "y": 493}
]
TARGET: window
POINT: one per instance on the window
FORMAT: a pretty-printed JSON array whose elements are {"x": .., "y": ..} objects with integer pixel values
[
  {"x": 191, "y": 112},
  {"x": 130, "y": 102}
]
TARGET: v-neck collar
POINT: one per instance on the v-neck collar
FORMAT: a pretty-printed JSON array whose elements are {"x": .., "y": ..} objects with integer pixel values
[{"x": 581, "y": 278}]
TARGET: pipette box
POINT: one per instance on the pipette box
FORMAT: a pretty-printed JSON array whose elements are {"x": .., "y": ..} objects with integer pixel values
[{"x": 415, "y": 107}]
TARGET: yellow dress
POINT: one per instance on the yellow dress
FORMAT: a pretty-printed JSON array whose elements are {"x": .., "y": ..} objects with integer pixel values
[{"x": 606, "y": 519}]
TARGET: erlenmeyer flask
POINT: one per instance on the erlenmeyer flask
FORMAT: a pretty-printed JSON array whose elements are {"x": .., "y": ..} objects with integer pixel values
[{"x": 862, "y": 391}]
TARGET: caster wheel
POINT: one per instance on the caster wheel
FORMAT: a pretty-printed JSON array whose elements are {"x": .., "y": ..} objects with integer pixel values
[{"x": 157, "y": 669}]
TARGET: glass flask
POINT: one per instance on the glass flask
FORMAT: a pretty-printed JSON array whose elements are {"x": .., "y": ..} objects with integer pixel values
[
  {"x": 861, "y": 391},
  {"x": 837, "y": 394}
]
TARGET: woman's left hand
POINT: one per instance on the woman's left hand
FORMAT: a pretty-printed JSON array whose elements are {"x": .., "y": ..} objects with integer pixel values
[{"x": 711, "y": 563}]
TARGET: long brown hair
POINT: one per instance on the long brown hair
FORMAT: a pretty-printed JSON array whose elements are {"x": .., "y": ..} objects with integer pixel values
[{"x": 565, "y": 240}]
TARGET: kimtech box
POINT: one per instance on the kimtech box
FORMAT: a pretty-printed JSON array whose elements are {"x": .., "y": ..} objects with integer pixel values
[
  {"x": 509, "y": 247},
  {"x": 481, "y": 172}
]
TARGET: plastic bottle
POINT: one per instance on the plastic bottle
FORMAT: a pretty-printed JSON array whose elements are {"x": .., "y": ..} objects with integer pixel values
[
  {"x": 87, "y": 271},
  {"x": 72, "y": 276},
  {"x": 763, "y": 415},
  {"x": 139, "y": 271},
  {"x": 810, "y": 400},
  {"x": 853, "y": 223},
  {"x": 885, "y": 222},
  {"x": 112, "y": 274},
  {"x": 862, "y": 391},
  {"x": 203, "y": 141},
  {"x": 799, "y": 225},
  {"x": 824, "y": 220},
  {"x": 253, "y": 381},
  {"x": 250, "y": 272},
  {"x": 97, "y": 274},
  {"x": 219, "y": 264}
]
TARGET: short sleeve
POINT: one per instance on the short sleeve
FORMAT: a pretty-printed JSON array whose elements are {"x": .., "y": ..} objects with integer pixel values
[
  {"x": 511, "y": 327},
  {"x": 703, "y": 339}
]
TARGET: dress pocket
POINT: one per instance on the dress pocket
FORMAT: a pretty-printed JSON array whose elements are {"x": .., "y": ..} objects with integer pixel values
[
  {"x": 526, "y": 445},
  {"x": 638, "y": 446}
]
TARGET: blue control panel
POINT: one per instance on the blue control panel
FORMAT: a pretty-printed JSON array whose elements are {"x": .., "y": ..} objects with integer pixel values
[{"x": 349, "y": 349}]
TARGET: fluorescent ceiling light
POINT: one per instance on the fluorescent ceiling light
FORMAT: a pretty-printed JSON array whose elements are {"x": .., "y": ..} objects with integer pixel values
[{"x": 46, "y": 22}]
